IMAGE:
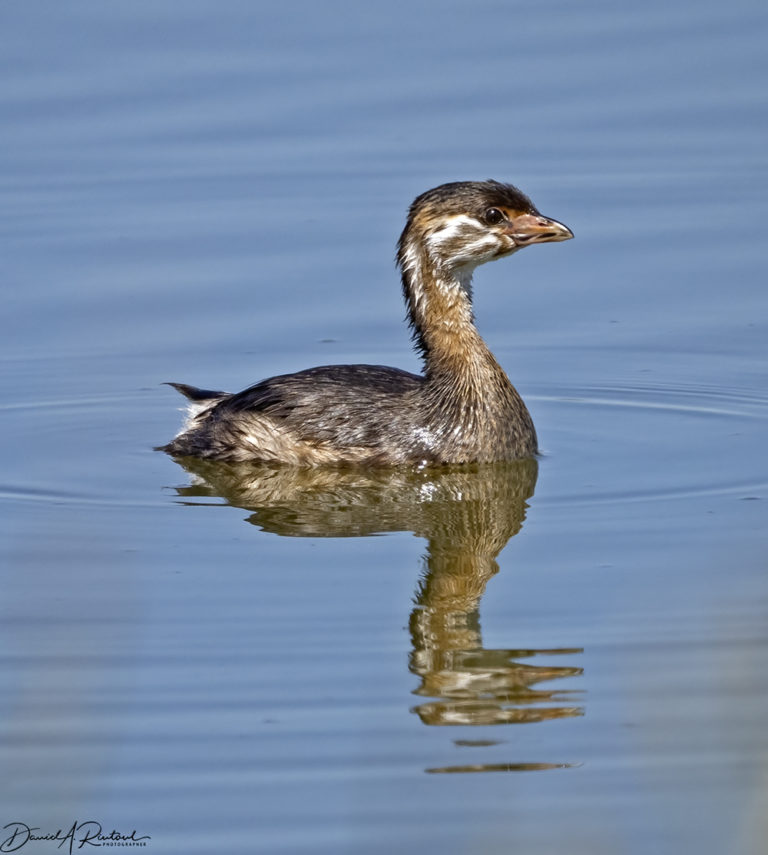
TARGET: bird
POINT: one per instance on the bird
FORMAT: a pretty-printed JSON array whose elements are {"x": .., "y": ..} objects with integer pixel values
[{"x": 462, "y": 409}]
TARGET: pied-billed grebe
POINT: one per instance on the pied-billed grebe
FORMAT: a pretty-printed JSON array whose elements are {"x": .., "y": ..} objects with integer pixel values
[{"x": 464, "y": 409}]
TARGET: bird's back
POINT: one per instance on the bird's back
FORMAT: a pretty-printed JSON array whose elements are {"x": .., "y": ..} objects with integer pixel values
[{"x": 329, "y": 414}]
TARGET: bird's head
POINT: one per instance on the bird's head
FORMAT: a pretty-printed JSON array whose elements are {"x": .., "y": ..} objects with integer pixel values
[{"x": 461, "y": 225}]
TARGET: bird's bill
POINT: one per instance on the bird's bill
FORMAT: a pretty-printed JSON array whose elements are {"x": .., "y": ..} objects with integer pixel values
[{"x": 533, "y": 228}]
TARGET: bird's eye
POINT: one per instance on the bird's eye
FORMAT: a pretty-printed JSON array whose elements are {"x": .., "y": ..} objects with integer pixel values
[{"x": 493, "y": 216}]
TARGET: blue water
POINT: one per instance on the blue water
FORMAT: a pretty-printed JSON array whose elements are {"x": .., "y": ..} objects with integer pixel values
[{"x": 569, "y": 659}]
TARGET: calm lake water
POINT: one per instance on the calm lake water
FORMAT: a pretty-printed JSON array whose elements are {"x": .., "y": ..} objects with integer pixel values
[{"x": 569, "y": 656}]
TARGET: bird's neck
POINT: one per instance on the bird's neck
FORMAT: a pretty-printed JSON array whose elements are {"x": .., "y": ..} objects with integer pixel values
[
  {"x": 468, "y": 400},
  {"x": 439, "y": 302}
]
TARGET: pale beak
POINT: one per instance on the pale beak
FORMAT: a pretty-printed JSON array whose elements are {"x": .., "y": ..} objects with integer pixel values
[{"x": 533, "y": 228}]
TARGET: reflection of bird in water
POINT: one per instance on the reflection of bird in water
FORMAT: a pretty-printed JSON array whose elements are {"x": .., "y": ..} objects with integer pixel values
[
  {"x": 460, "y": 510},
  {"x": 475, "y": 685},
  {"x": 467, "y": 514},
  {"x": 464, "y": 409}
]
